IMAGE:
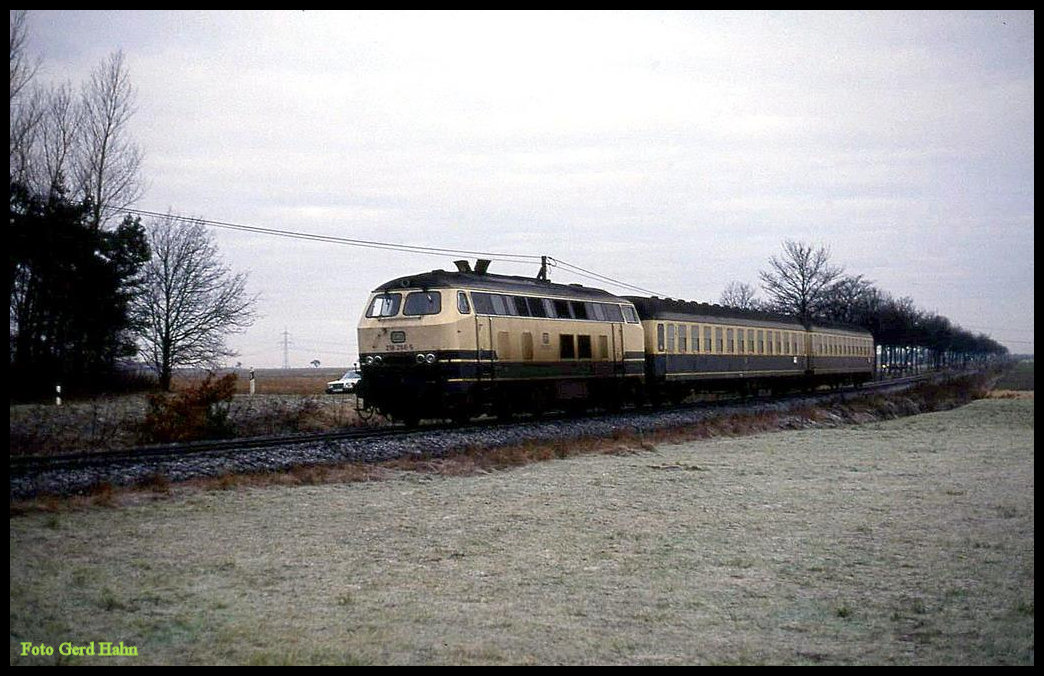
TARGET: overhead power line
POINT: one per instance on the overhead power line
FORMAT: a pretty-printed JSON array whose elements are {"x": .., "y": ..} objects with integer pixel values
[
  {"x": 331, "y": 239},
  {"x": 407, "y": 248}
]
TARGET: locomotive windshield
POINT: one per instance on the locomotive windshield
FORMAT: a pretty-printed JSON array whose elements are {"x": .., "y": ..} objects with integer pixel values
[
  {"x": 423, "y": 303},
  {"x": 384, "y": 305},
  {"x": 417, "y": 303}
]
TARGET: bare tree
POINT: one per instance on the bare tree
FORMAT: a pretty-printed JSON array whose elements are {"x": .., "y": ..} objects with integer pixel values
[
  {"x": 191, "y": 302},
  {"x": 799, "y": 279},
  {"x": 59, "y": 131},
  {"x": 26, "y": 101},
  {"x": 22, "y": 67},
  {"x": 850, "y": 300},
  {"x": 109, "y": 160},
  {"x": 741, "y": 295}
]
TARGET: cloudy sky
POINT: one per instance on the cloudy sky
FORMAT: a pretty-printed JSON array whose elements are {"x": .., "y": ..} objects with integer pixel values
[{"x": 672, "y": 151}]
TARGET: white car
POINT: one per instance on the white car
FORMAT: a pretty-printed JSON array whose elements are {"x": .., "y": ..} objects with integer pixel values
[{"x": 345, "y": 383}]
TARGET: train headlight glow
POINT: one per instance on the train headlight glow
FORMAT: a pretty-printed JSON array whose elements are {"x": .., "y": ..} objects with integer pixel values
[{"x": 430, "y": 358}]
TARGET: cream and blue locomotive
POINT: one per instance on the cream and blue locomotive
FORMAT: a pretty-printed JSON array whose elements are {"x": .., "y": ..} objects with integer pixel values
[{"x": 457, "y": 344}]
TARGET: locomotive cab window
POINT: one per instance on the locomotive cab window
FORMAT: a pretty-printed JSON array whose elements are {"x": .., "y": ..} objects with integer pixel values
[
  {"x": 384, "y": 305},
  {"x": 422, "y": 303},
  {"x": 462, "y": 303}
]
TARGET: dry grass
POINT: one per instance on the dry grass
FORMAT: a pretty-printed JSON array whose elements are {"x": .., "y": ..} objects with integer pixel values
[
  {"x": 901, "y": 542},
  {"x": 284, "y": 402}
]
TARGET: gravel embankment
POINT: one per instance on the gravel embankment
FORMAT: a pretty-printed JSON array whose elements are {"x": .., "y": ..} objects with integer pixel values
[{"x": 792, "y": 414}]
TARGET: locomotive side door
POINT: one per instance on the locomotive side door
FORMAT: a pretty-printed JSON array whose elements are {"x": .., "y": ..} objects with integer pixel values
[
  {"x": 618, "y": 349},
  {"x": 485, "y": 358}
]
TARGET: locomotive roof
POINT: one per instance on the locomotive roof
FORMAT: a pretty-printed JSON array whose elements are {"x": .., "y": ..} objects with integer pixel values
[
  {"x": 483, "y": 281},
  {"x": 682, "y": 310}
]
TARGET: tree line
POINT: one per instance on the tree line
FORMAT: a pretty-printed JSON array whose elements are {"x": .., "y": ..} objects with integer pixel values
[
  {"x": 803, "y": 283},
  {"x": 92, "y": 289}
]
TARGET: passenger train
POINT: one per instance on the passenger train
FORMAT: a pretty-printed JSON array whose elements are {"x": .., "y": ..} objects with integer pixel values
[{"x": 454, "y": 345}]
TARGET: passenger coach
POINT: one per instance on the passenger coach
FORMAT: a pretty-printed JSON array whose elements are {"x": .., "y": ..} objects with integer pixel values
[
  {"x": 454, "y": 344},
  {"x": 700, "y": 347}
]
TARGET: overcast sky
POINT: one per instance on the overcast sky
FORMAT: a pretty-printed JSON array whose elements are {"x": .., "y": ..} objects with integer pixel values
[{"x": 673, "y": 151}]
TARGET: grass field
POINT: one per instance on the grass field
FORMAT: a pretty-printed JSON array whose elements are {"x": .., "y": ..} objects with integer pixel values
[
  {"x": 904, "y": 542},
  {"x": 1019, "y": 378}
]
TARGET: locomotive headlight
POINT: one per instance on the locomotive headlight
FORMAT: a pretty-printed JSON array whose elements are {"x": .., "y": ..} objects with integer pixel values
[
  {"x": 377, "y": 360},
  {"x": 367, "y": 361},
  {"x": 430, "y": 358},
  {"x": 420, "y": 358}
]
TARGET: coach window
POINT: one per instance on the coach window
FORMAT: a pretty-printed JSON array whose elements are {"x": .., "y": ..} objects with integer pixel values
[
  {"x": 732, "y": 340},
  {"x": 739, "y": 340},
  {"x": 761, "y": 342},
  {"x": 670, "y": 337},
  {"x": 695, "y": 339},
  {"x": 719, "y": 340},
  {"x": 462, "y": 303},
  {"x": 659, "y": 338},
  {"x": 708, "y": 346},
  {"x": 683, "y": 339}
]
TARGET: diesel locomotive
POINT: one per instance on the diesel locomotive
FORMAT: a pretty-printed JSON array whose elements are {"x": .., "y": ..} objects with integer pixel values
[{"x": 458, "y": 344}]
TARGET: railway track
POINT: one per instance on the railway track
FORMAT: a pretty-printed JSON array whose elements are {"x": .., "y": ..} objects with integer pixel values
[{"x": 80, "y": 472}]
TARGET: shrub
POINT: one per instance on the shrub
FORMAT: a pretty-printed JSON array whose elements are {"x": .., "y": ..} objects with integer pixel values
[{"x": 199, "y": 412}]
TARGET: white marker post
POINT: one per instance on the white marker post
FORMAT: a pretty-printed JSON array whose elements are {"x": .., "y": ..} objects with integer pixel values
[
  {"x": 253, "y": 383},
  {"x": 58, "y": 395}
]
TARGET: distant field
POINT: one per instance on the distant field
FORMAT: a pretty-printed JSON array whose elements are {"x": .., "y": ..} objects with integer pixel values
[
  {"x": 906, "y": 542},
  {"x": 1019, "y": 378},
  {"x": 274, "y": 381}
]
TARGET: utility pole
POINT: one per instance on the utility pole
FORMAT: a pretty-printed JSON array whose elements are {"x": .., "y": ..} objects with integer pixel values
[{"x": 286, "y": 349}]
